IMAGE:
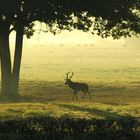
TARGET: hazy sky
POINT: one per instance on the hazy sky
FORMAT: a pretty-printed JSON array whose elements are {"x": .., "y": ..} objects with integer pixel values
[{"x": 75, "y": 37}]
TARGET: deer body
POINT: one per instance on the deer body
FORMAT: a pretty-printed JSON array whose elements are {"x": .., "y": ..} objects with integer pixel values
[{"x": 76, "y": 86}]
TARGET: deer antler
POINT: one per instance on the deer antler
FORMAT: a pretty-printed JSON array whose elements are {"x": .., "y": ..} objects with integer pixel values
[
  {"x": 67, "y": 75},
  {"x": 71, "y": 75}
]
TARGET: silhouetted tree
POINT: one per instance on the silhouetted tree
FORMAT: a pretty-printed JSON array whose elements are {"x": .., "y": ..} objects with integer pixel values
[{"x": 114, "y": 18}]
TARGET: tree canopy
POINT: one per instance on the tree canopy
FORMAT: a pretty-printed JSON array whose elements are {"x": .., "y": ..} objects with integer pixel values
[{"x": 106, "y": 18}]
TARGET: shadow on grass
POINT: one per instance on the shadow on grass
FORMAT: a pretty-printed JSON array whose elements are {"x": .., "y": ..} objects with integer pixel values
[
  {"x": 114, "y": 104},
  {"x": 108, "y": 115}
]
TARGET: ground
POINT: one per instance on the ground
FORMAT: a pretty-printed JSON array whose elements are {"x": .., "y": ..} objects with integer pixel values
[{"x": 112, "y": 73}]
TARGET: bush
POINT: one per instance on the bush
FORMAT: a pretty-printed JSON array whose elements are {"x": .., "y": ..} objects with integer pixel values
[{"x": 50, "y": 128}]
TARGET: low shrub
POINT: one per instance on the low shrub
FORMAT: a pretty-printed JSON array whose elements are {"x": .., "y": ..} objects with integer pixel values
[{"x": 49, "y": 128}]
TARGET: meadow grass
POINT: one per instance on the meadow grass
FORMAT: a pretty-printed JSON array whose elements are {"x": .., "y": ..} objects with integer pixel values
[{"x": 112, "y": 73}]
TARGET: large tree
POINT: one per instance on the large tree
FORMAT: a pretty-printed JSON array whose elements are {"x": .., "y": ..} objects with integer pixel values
[{"x": 114, "y": 18}]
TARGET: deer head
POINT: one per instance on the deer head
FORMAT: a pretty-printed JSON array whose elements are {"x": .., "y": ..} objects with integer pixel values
[{"x": 68, "y": 79}]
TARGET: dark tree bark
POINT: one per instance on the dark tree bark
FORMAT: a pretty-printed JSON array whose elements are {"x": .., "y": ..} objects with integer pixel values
[
  {"x": 5, "y": 62},
  {"x": 9, "y": 77},
  {"x": 17, "y": 61}
]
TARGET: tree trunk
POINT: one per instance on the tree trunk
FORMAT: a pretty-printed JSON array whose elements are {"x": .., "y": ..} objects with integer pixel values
[
  {"x": 17, "y": 61},
  {"x": 5, "y": 63}
]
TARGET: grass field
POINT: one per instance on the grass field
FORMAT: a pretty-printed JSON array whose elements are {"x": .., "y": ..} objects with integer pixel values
[{"x": 113, "y": 74}]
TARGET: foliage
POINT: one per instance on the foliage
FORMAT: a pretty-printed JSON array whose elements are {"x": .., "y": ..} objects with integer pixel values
[
  {"x": 106, "y": 18},
  {"x": 69, "y": 129}
]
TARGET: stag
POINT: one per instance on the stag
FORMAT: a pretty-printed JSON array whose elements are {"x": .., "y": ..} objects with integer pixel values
[{"x": 77, "y": 86}]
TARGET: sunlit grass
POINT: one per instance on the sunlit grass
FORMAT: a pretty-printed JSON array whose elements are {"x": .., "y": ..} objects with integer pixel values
[
  {"x": 113, "y": 75},
  {"x": 62, "y": 109}
]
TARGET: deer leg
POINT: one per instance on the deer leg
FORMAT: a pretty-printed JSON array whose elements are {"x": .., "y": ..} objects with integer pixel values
[
  {"x": 89, "y": 94},
  {"x": 84, "y": 94},
  {"x": 73, "y": 95},
  {"x": 76, "y": 95}
]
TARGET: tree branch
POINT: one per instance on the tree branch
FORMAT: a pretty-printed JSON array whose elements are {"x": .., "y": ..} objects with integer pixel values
[{"x": 12, "y": 29}]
